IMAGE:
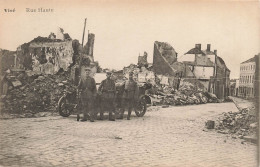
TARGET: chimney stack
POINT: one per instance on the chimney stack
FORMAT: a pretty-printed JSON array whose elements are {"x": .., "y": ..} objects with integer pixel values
[
  {"x": 215, "y": 52},
  {"x": 198, "y": 46},
  {"x": 208, "y": 47}
]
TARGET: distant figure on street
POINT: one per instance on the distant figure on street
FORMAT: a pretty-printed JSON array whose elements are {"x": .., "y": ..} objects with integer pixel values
[
  {"x": 107, "y": 89},
  {"x": 88, "y": 91},
  {"x": 130, "y": 95}
]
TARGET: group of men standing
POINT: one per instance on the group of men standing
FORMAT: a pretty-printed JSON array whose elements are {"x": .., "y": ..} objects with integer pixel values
[{"x": 107, "y": 95}]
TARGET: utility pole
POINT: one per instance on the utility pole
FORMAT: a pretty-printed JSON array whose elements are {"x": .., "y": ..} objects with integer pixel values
[
  {"x": 81, "y": 54},
  {"x": 84, "y": 32}
]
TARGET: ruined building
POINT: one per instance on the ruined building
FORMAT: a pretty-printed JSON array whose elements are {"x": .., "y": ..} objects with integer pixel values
[
  {"x": 165, "y": 61},
  {"x": 163, "y": 57},
  {"x": 209, "y": 69},
  {"x": 142, "y": 60},
  {"x": 7, "y": 59},
  {"x": 84, "y": 57},
  {"x": 89, "y": 47},
  {"x": 46, "y": 54}
]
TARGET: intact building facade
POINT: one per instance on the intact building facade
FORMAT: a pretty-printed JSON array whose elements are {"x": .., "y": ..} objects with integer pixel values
[
  {"x": 209, "y": 69},
  {"x": 247, "y": 78}
]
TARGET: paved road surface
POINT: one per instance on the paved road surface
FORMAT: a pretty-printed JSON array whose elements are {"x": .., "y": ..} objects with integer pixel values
[{"x": 166, "y": 137}]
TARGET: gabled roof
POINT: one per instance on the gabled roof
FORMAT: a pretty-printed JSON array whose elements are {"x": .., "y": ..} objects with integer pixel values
[
  {"x": 249, "y": 60},
  {"x": 195, "y": 51},
  {"x": 222, "y": 62},
  {"x": 206, "y": 52}
]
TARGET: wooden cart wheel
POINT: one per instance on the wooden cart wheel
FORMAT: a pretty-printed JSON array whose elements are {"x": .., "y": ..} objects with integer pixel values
[
  {"x": 63, "y": 107},
  {"x": 78, "y": 117},
  {"x": 141, "y": 107}
]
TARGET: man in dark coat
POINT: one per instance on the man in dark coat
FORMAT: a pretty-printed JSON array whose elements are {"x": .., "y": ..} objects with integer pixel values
[
  {"x": 107, "y": 89},
  {"x": 130, "y": 95},
  {"x": 88, "y": 91}
]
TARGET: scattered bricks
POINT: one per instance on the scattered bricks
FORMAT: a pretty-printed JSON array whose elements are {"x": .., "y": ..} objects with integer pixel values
[
  {"x": 60, "y": 84},
  {"x": 253, "y": 125},
  {"x": 37, "y": 80},
  {"x": 223, "y": 132},
  {"x": 22, "y": 88},
  {"x": 252, "y": 139},
  {"x": 165, "y": 106},
  {"x": 29, "y": 115},
  {"x": 210, "y": 124},
  {"x": 57, "y": 80},
  {"x": 65, "y": 82},
  {"x": 239, "y": 123},
  {"x": 16, "y": 83},
  {"x": 41, "y": 78}
]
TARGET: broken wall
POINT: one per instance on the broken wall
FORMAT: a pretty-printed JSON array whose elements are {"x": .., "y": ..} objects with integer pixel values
[
  {"x": 205, "y": 83},
  {"x": 23, "y": 56},
  {"x": 89, "y": 47},
  {"x": 203, "y": 72},
  {"x": 77, "y": 49},
  {"x": 187, "y": 58},
  {"x": 142, "y": 60},
  {"x": 220, "y": 80},
  {"x": 188, "y": 72},
  {"x": 203, "y": 60},
  {"x": 7, "y": 59},
  {"x": 50, "y": 57},
  {"x": 163, "y": 57}
]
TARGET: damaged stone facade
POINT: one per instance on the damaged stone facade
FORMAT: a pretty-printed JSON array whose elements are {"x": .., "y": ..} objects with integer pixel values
[
  {"x": 46, "y": 55},
  {"x": 222, "y": 79},
  {"x": 165, "y": 62},
  {"x": 164, "y": 56},
  {"x": 7, "y": 59},
  {"x": 49, "y": 58},
  {"x": 142, "y": 60},
  {"x": 209, "y": 69},
  {"x": 89, "y": 47}
]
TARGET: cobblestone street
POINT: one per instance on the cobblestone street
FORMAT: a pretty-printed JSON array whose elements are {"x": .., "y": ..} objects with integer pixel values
[{"x": 171, "y": 136}]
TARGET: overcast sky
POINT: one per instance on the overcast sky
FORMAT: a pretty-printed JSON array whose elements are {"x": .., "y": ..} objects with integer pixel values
[{"x": 123, "y": 29}]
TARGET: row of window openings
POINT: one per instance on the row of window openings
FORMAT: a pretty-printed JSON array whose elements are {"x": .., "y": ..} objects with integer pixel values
[
  {"x": 251, "y": 67},
  {"x": 246, "y": 90},
  {"x": 247, "y": 79}
]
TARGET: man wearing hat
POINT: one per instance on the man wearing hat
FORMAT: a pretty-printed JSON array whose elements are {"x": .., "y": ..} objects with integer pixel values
[
  {"x": 88, "y": 91},
  {"x": 130, "y": 95},
  {"x": 107, "y": 89}
]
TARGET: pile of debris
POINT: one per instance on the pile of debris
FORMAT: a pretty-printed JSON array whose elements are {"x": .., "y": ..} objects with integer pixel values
[
  {"x": 37, "y": 93},
  {"x": 188, "y": 93},
  {"x": 240, "y": 123}
]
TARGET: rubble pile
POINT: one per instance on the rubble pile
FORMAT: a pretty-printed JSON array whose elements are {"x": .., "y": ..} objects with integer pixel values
[
  {"x": 180, "y": 98},
  {"x": 41, "y": 94},
  {"x": 240, "y": 123},
  {"x": 188, "y": 93}
]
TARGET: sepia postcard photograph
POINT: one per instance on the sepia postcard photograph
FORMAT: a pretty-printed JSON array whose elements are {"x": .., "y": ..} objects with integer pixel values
[{"x": 129, "y": 83}]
